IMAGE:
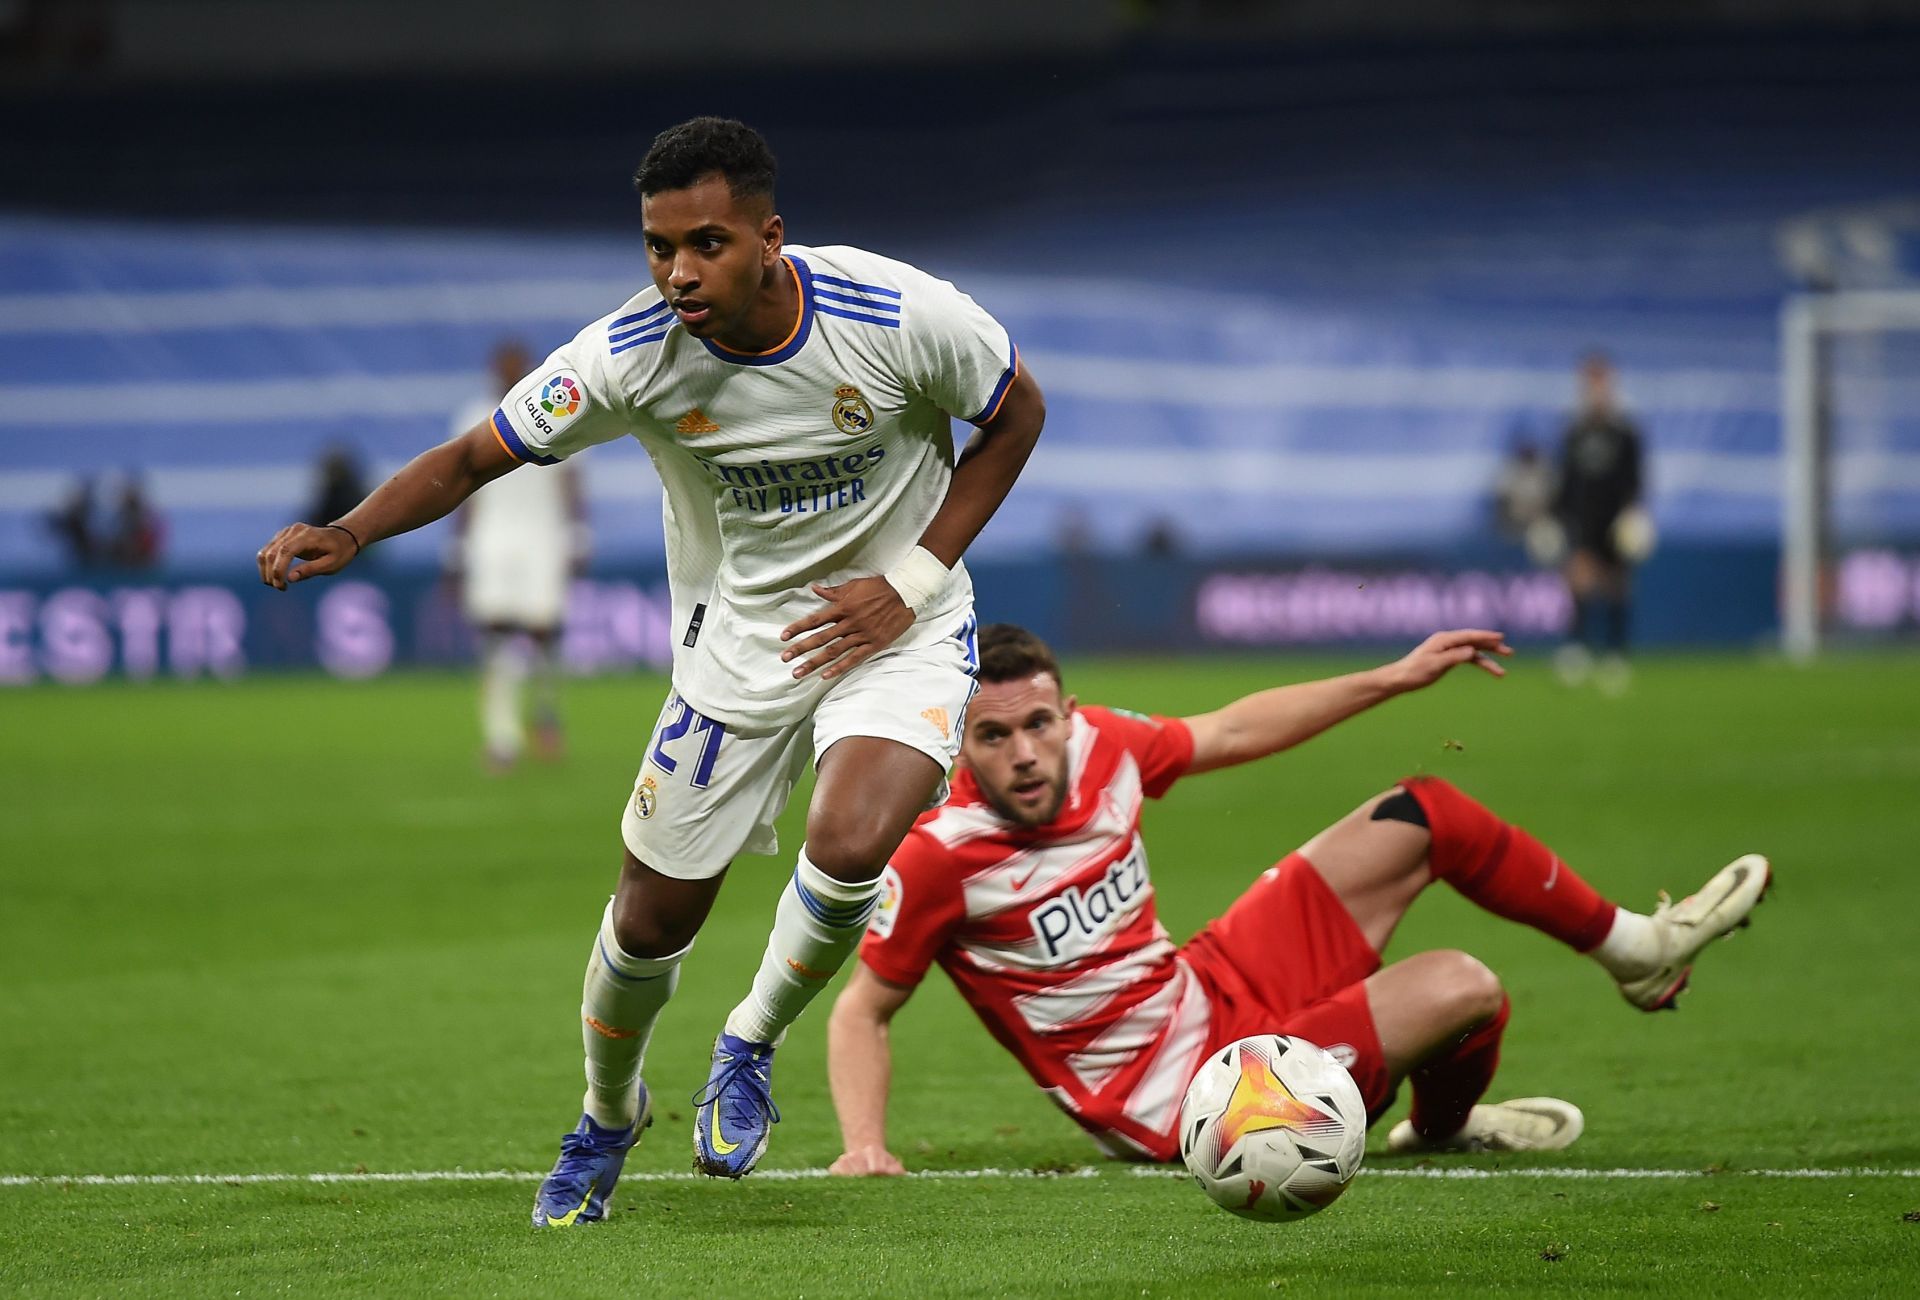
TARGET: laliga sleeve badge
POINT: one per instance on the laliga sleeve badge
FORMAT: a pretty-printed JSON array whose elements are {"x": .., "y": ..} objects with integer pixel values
[
  {"x": 552, "y": 405},
  {"x": 851, "y": 413},
  {"x": 560, "y": 396},
  {"x": 888, "y": 909},
  {"x": 644, "y": 796}
]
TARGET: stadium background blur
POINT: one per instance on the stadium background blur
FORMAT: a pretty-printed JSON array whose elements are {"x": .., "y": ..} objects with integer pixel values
[{"x": 1296, "y": 278}]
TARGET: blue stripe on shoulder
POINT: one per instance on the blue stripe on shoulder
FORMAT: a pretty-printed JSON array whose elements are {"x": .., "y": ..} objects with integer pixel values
[
  {"x": 637, "y": 317},
  {"x": 827, "y": 309},
  {"x": 880, "y": 289},
  {"x": 870, "y": 304},
  {"x": 634, "y": 341},
  {"x": 636, "y": 331}
]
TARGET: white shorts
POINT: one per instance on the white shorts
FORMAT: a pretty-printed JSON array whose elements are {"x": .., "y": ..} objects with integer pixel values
[
  {"x": 707, "y": 792},
  {"x": 527, "y": 589}
]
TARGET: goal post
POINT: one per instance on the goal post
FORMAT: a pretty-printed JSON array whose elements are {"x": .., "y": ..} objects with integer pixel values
[{"x": 1849, "y": 427}]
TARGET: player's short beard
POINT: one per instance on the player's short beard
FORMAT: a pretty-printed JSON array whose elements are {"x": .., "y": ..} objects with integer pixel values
[{"x": 1004, "y": 806}]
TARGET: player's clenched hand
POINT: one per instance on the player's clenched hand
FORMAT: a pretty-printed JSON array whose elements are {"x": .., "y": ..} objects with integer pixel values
[
  {"x": 1434, "y": 657},
  {"x": 320, "y": 551},
  {"x": 866, "y": 1162},
  {"x": 862, "y": 617}
]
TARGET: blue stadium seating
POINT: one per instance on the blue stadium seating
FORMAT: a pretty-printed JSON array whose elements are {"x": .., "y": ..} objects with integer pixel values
[{"x": 1284, "y": 304}]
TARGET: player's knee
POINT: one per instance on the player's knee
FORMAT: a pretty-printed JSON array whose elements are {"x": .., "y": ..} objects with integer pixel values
[
  {"x": 849, "y": 847},
  {"x": 849, "y": 858},
  {"x": 1472, "y": 992},
  {"x": 645, "y": 932}
]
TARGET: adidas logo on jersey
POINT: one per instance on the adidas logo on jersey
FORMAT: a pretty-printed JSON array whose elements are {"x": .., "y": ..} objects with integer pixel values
[
  {"x": 1072, "y": 920},
  {"x": 695, "y": 421}
]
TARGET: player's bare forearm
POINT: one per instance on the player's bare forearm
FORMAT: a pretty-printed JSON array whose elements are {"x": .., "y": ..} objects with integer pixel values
[
  {"x": 1273, "y": 720},
  {"x": 428, "y": 487},
  {"x": 860, "y": 1072},
  {"x": 1280, "y": 718},
  {"x": 987, "y": 469}
]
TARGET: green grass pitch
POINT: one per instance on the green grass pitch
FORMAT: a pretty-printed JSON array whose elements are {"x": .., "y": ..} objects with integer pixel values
[{"x": 287, "y": 927}]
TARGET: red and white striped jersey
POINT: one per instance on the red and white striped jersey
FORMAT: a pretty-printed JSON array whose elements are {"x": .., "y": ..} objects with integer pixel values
[{"x": 1051, "y": 935}]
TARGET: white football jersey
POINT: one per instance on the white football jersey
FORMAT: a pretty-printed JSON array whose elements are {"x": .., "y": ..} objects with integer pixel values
[{"x": 821, "y": 460}]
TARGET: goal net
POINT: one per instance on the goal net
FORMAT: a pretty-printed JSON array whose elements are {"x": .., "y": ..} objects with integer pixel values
[{"x": 1851, "y": 434}]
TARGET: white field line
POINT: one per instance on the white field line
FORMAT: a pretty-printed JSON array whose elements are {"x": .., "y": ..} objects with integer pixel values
[
  {"x": 1545, "y": 1172},
  {"x": 476, "y": 1176},
  {"x": 925, "y": 1175}
]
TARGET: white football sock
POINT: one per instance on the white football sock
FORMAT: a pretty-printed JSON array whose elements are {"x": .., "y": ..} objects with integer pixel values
[
  {"x": 619, "y": 1003},
  {"x": 818, "y": 923},
  {"x": 1632, "y": 946},
  {"x": 503, "y": 669}
]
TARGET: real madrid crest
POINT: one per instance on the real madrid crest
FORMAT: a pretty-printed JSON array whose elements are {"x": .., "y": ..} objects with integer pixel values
[
  {"x": 644, "y": 796},
  {"x": 851, "y": 413}
]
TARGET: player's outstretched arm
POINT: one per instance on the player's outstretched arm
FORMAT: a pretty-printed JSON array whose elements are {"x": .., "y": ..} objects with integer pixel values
[
  {"x": 860, "y": 1070},
  {"x": 1270, "y": 721},
  {"x": 426, "y": 488},
  {"x": 866, "y": 615}
]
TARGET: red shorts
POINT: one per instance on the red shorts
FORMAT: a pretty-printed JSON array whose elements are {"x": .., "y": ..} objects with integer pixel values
[{"x": 1287, "y": 958}]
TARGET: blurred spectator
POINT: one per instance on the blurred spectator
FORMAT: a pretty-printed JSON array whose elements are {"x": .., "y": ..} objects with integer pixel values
[
  {"x": 73, "y": 524},
  {"x": 1073, "y": 532},
  {"x": 520, "y": 539},
  {"x": 1597, "y": 505},
  {"x": 1523, "y": 492},
  {"x": 1162, "y": 538},
  {"x": 133, "y": 539},
  {"x": 342, "y": 485}
]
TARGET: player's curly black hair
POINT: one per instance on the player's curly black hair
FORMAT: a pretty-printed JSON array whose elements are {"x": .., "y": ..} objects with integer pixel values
[
  {"x": 682, "y": 154},
  {"x": 1010, "y": 654}
]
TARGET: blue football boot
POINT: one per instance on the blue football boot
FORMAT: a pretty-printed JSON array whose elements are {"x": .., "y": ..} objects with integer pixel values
[
  {"x": 736, "y": 1110},
  {"x": 589, "y": 1165}
]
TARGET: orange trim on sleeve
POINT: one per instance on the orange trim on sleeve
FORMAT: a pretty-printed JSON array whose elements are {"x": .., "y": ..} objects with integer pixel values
[{"x": 494, "y": 429}]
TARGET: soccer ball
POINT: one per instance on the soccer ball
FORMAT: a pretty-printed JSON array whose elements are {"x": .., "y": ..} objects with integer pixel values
[{"x": 1272, "y": 1128}]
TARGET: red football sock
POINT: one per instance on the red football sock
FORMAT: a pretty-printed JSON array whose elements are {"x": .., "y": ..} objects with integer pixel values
[
  {"x": 1507, "y": 871},
  {"x": 1444, "y": 1090}
]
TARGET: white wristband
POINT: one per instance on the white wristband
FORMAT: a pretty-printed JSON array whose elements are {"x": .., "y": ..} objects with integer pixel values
[{"x": 919, "y": 578}]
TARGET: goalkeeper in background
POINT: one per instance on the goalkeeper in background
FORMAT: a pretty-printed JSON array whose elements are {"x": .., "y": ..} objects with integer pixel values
[{"x": 1604, "y": 529}]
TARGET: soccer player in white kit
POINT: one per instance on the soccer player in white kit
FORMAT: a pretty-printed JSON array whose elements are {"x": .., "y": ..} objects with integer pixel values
[
  {"x": 520, "y": 539},
  {"x": 796, "y": 405}
]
